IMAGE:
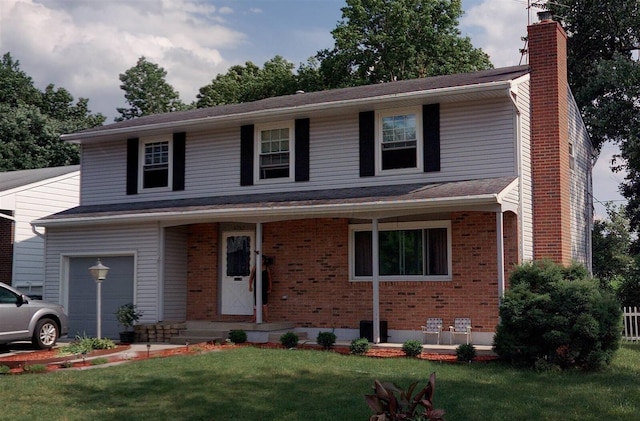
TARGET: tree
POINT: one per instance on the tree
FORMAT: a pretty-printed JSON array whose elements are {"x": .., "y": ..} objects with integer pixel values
[
  {"x": 147, "y": 92},
  {"x": 249, "y": 83},
  {"x": 604, "y": 74},
  {"x": 611, "y": 241},
  {"x": 32, "y": 121},
  {"x": 386, "y": 40}
]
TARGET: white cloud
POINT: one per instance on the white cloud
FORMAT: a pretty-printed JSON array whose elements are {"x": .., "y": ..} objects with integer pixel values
[
  {"x": 496, "y": 26},
  {"x": 84, "y": 46}
]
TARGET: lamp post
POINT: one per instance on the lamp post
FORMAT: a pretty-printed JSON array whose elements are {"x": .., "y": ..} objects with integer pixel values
[{"x": 99, "y": 274}]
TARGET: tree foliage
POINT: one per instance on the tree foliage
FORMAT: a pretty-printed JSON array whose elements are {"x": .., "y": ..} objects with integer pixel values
[
  {"x": 553, "y": 316},
  {"x": 250, "y": 83},
  {"x": 31, "y": 121},
  {"x": 147, "y": 92},
  {"x": 604, "y": 74},
  {"x": 386, "y": 40},
  {"x": 611, "y": 243}
]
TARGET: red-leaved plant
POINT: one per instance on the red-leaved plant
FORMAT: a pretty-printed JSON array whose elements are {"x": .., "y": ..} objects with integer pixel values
[{"x": 391, "y": 403}]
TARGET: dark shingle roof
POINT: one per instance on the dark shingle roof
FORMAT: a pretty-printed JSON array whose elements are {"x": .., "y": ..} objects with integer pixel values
[
  {"x": 346, "y": 196},
  {"x": 322, "y": 97},
  {"x": 13, "y": 179}
]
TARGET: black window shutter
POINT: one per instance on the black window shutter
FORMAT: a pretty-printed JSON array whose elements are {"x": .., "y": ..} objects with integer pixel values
[
  {"x": 132, "y": 166},
  {"x": 431, "y": 137},
  {"x": 178, "y": 160},
  {"x": 367, "y": 143},
  {"x": 302, "y": 149},
  {"x": 246, "y": 155}
]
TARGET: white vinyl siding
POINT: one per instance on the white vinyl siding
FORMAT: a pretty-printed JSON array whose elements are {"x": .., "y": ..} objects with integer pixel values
[
  {"x": 477, "y": 141},
  {"x": 581, "y": 188},
  {"x": 139, "y": 240},
  {"x": 29, "y": 203},
  {"x": 526, "y": 212},
  {"x": 175, "y": 273}
]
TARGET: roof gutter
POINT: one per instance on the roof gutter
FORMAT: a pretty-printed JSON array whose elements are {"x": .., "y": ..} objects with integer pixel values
[
  {"x": 452, "y": 90},
  {"x": 279, "y": 212}
]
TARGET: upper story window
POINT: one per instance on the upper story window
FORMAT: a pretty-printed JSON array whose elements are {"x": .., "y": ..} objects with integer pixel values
[
  {"x": 399, "y": 139},
  {"x": 156, "y": 164},
  {"x": 407, "y": 251},
  {"x": 275, "y": 153}
]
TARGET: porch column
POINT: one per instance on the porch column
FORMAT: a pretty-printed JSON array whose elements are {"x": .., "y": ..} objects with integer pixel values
[
  {"x": 375, "y": 261},
  {"x": 500, "y": 252},
  {"x": 258, "y": 278}
]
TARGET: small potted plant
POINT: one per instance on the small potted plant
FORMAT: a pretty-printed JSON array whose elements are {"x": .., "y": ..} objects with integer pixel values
[{"x": 127, "y": 315}]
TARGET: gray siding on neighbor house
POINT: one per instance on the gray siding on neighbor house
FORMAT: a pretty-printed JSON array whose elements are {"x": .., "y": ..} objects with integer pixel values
[
  {"x": 477, "y": 141},
  {"x": 30, "y": 202},
  {"x": 581, "y": 187},
  {"x": 175, "y": 274},
  {"x": 140, "y": 240},
  {"x": 526, "y": 206}
]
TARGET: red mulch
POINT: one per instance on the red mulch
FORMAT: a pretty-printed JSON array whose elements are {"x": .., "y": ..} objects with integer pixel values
[{"x": 56, "y": 362}]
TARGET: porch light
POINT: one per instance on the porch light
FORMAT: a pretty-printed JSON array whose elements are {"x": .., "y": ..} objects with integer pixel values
[{"x": 99, "y": 274}]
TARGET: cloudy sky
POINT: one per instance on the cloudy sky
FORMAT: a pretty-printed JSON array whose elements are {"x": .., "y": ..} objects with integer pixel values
[{"x": 83, "y": 45}]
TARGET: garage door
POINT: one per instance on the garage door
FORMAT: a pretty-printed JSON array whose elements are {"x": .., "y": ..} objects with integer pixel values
[{"x": 117, "y": 289}]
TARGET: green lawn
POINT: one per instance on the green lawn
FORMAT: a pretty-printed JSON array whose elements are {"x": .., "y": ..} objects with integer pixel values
[{"x": 266, "y": 384}]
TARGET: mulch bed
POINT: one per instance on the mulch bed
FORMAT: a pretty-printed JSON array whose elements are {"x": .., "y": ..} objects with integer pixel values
[{"x": 54, "y": 362}]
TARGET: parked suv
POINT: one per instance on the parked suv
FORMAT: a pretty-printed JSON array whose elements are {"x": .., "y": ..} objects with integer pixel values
[{"x": 25, "y": 319}]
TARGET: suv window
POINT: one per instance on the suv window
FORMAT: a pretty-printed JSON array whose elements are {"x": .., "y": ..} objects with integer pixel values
[{"x": 7, "y": 297}]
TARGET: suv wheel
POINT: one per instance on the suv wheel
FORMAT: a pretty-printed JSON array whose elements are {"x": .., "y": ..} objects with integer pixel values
[{"x": 46, "y": 334}]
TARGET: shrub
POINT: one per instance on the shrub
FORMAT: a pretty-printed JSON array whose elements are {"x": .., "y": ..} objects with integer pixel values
[
  {"x": 289, "y": 340},
  {"x": 465, "y": 352},
  {"x": 127, "y": 315},
  {"x": 238, "y": 336},
  {"x": 393, "y": 403},
  {"x": 412, "y": 348},
  {"x": 326, "y": 339},
  {"x": 559, "y": 315},
  {"x": 84, "y": 345},
  {"x": 5, "y": 369},
  {"x": 35, "y": 368},
  {"x": 359, "y": 346}
]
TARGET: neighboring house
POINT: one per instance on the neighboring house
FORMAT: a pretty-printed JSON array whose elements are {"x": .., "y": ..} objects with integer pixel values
[
  {"x": 24, "y": 196},
  {"x": 387, "y": 203}
]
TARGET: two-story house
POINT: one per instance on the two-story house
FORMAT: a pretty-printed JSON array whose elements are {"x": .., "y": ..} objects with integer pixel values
[{"x": 387, "y": 203}]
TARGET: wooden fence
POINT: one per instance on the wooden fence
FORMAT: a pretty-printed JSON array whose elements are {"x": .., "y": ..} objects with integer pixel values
[{"x": 631, "y": 323}]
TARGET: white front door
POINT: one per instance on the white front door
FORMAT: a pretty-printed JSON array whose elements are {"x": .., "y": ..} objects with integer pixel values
[{"x": 237, "y": 261}]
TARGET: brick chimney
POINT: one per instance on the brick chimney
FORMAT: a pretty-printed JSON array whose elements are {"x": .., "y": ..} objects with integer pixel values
[{"x": 550, "y": 141}]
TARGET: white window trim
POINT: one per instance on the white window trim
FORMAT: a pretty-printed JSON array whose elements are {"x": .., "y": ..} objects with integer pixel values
[
  {"x": 257, "y": 149},
  {"x": 142, "y": 144},
  {"x": 419, "y": 140},
  {"x": 394, "y": 226}
]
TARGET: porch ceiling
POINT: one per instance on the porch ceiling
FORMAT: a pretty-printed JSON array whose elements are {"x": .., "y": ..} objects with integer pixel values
[{"x": 357, "y": 202}]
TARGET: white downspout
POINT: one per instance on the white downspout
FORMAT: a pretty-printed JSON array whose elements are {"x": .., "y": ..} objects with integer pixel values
[
  {"x": 258, "y": 273},
  {"x": 375, "y": 261}
]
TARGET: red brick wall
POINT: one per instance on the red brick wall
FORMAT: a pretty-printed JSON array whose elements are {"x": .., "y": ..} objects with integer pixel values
[
  {"x": 202, "y": 272},
  {"x": 6, "y": 248},
  {"x": 311, "y": 269},
  {"x": 550, "y": 142}
]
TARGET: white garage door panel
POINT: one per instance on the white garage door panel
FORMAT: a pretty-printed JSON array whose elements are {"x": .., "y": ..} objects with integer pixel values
[{"x": 117, "y": 289}]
